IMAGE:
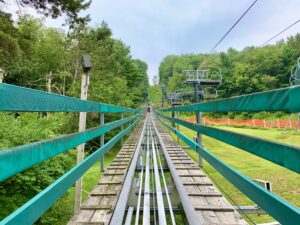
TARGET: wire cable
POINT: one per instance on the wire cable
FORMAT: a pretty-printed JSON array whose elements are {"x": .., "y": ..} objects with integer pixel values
[
  {"x": 293, "y": 24},
  {"x": 231, "y": 28},
  {"x": 216, "y": 183}
]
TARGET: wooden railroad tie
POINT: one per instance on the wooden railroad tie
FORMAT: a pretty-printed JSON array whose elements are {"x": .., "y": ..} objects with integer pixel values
[
  {"x": 214, "y": 208},
  {"x": 113, "y": 174},
  {"x": 119, "y": 164},
  {"x": 104, "y": 193},
  {"x": 187, "y": 168},
  {"x": 184, "y": 162},
  {"x": 96, "y": 207},
  {"x": 205, "y": 194},
  {"x": 120, "y": 160},
  {"x": 110, "y": 183},
  {"x": 116, "y": 168},
  {"x": 90, "y": 223},
  {"x": 123, "y": 157},
  {"x": 197, "y": 183},
  {"x": 192, "y": 175}
]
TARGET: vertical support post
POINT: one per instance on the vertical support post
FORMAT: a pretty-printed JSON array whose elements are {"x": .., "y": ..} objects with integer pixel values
[
  {"x": 173, "y": 115},
  {"x": 122, "y": 128},
  {"x": 2, "y": 74},
  {"x": 102, "y": 121},
  {"x": 177, "y": 126},
  {"x": 80, "y": 148},
  {"x": 198, "y": 120}
]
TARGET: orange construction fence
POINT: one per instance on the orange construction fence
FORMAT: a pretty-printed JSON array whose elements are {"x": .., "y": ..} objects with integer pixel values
[{"x": 250, "y": 123}]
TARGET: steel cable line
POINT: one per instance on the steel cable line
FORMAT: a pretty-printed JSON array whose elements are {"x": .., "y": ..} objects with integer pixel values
[
  {"x": 280, "y": 33},
  {"x": 231, "y": 28}
]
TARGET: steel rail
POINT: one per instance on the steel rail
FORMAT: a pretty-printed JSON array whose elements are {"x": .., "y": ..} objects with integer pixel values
[
  {"x": 166, "y": 187},
  {"x": 159, "y": 197},
  {"x": 117, "y": 217},
  {"x": 146, "y": 211},
  {"x": 153, "y": 193},
  {"x": 141, "y": 177},
  {"x": 129, "y": 216},
  {"x": 192, "y": 216}
]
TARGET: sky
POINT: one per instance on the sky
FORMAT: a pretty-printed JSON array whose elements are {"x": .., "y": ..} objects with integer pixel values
[{"x": 157, "y": 28}]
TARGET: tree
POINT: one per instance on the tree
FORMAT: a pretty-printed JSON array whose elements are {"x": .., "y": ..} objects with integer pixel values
[{"x": 55, "y": 8}]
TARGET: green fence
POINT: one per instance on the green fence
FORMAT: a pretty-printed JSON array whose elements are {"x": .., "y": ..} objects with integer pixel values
[
  {"x": 18, "y": 159},
  {"x": 287, "y": 100}
]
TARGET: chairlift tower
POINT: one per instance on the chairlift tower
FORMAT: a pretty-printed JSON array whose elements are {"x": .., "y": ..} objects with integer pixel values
[{"x": 202, "y": 78}]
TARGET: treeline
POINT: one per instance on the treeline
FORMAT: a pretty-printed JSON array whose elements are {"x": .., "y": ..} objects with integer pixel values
[
  {"x": 251, "y": 70},
  {"x": 49, "y": 59}
]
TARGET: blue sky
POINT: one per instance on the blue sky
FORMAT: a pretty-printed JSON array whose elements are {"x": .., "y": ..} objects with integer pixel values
[{"x": 157, "y": 28}]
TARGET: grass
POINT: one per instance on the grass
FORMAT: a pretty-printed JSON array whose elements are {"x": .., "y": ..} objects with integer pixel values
[{"x": 285, "y": 183}]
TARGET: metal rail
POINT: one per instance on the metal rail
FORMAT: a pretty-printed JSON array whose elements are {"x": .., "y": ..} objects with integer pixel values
[
  {"x": 159, "y": 197},
  {"x": 117, "y": 217},
  {"x": 192, "y": 217},
  {"x": 166, "y": 187},
  {"x": 146, "y": 212}
]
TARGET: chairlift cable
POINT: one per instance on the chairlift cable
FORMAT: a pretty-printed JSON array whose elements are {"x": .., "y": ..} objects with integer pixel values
[
  {"x": 285, "y": 29},
  {"x": 231, "y": 28}
]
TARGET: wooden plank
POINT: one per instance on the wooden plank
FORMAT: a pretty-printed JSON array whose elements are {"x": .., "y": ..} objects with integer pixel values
[
  {"x": 206, "y": 194},
  {"x": 192, "y": 175},
  {"x": 187, "y": 168},
  {"x": 96, "y": 207},
  {"x": 109, "y": 182},
  {"x": 198, "y": 183},
  {"x": 116, "y": 168},
  {"x": 214, "y": 208},
  {"x": 104, "y": 193},
  {"x": 114, "y": 174}
]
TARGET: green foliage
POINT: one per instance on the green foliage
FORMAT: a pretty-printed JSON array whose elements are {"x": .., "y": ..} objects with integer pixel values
[
  {"x": 18, "y": 129},
  {"x": 251, "y": 70},
  {"x": 55, "y": 8}
]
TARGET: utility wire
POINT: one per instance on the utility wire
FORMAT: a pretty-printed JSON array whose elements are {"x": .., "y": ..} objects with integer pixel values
[
  {"x": 231, "y": 28},
  {"x": 280, "y": 33}
]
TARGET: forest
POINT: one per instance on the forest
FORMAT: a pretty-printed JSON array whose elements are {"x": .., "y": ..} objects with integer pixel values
[
  {"x": 50, "y": 59},
  {"x": 253, "y": 69}
]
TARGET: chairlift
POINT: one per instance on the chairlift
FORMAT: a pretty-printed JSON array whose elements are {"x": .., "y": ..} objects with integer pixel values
[
  {"x": 207, "y": 76},
  {"x": 295, "y": 74}
]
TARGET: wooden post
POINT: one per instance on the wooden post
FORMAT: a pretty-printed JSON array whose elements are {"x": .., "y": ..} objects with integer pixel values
[
  {"x": 264, "y": 121},
  {"x": 2, "y": 74},
  {"x": 177, "y": 127},
  {"x": 198, "y": 121},
  {"x": 253, "y": 121},
  {"x": 102, "y": 122},
  {"x": 80, "y": 148},
  {"x": 122, "y": 128}
]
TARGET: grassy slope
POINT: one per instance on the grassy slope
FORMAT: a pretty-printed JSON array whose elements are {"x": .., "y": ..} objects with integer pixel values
[{"x": 285, "y": 183}]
